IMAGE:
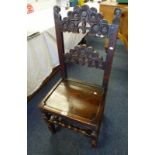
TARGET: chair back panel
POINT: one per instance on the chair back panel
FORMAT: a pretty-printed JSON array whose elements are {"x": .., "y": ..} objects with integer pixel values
[{"x": 86, "y": 18}]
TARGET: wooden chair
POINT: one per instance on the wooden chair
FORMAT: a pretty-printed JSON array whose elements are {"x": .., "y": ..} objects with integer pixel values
[{"x": 75, "y": 104}]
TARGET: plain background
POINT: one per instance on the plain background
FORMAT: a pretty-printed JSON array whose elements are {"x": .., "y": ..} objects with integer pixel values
[{"x": 13, "y": 77}]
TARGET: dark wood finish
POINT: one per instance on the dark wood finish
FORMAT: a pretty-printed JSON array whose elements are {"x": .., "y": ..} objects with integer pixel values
[
  {"x": 76, "y": 98},
  {"x": 59, "y": 38},
  {"x": 74, "y": 104}
]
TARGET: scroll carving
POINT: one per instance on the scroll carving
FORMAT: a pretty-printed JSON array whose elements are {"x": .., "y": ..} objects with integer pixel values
[
  {"x": 84, "y": 19},
  {"x": 85, "y": 56}
]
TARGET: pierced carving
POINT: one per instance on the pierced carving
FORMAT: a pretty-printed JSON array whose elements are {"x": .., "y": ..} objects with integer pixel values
[
  {"x": 85, "y": 56},
  {"x": 84, "y": 19}
]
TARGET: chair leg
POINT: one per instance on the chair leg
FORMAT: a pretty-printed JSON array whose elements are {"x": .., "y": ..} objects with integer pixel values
[
  {"x": 52, "y": 128},
  {"x": 94, "y": 142},
  {"x": 94, "y": 139}
]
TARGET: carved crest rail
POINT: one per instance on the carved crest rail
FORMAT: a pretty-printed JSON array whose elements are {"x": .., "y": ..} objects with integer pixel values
[{"x": 84, "y": 19}]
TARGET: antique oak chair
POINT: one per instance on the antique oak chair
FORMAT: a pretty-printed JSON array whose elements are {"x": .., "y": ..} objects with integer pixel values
[{"x": 75, "y": 104}]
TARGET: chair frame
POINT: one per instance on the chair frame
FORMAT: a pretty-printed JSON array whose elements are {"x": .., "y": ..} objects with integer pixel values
[{"x": 54, "y": 120}]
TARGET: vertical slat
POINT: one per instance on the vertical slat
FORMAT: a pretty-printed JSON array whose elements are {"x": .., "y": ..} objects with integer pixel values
[{"x": 60, "y": 41}]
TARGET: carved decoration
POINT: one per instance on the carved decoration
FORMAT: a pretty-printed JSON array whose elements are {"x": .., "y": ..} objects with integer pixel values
[
  {"x": 117, "y": 15},
  {"x": 85, "y": 56},
  {"x": 84, "y": 19},
  {"x": 56, "y": 9},
  {"x": 55, "y": 120},
  {"x": 46, "y": 117}
]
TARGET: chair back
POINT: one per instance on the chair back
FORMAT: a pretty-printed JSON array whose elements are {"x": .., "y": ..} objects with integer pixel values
[{"x": 86, "y": 20}]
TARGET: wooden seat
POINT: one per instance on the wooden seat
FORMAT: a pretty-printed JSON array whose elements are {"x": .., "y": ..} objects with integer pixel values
[
  {"x": 75, "y": 104},
  {"x": 76, "y": 100}
]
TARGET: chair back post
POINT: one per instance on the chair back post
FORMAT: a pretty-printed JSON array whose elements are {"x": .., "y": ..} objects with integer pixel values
[
  {"x": 60, "y": 41},
  {"x": 113, "y": 31}
]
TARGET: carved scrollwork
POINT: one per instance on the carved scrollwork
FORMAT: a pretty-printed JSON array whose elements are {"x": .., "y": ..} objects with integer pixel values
[
  {"x": 85, "y": 56},
  {"x": 84, "y": 19}
]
